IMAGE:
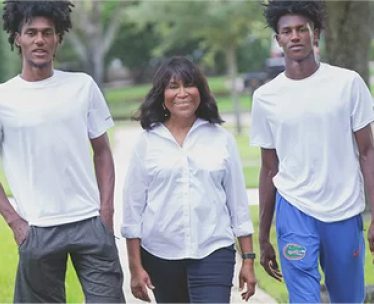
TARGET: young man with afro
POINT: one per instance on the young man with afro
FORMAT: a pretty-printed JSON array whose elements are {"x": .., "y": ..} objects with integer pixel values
[
  {"x": 63, "y": 200},
  {"x": 312, "y": 123}
]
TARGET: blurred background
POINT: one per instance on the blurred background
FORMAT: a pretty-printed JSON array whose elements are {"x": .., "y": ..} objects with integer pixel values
[{"x": 121, "y": 43}]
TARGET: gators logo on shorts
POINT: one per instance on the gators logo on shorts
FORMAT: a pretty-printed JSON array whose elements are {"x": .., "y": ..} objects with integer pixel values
[{"x": 294, "y": 251}]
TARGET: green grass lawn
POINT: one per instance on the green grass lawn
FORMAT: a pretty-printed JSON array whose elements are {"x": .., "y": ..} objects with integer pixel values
[{"x": 251, "y": 160}]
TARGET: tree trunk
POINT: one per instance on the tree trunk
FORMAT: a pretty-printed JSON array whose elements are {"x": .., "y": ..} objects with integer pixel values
[
  {"x": 348, "y": 35},
  {"x": 90, "y": 39},
  {"x": 233, "y": 74}
]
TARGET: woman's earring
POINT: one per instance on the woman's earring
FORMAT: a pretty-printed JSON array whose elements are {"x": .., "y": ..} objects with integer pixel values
[{"x": 166, "y": 112}]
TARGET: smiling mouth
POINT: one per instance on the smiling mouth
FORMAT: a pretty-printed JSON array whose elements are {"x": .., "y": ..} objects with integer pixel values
[{"x": 182, "y": 102}]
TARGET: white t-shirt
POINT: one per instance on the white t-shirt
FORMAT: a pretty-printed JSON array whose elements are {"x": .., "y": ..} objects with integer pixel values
[
  {"x": 185, "y": 202},
  {"x": 311, "y": 124},
  {"x": 45, "y": 130}
]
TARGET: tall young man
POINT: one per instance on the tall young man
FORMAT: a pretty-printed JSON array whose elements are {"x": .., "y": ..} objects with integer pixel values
[
  {"x": 312, "y": 123},
  {"x": 63, "y": 200}
]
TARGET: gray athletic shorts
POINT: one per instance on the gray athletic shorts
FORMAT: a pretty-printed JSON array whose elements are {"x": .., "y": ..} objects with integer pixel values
[{"x": 43, "y": 256}]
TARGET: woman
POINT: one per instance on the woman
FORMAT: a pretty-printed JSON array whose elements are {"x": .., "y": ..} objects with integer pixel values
[{"x": 184, "y": 196}]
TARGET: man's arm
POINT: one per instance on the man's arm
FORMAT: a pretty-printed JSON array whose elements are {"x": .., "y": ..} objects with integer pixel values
[
  {"x": 364, "y": 139},
  {"x": 104, "y": 169},
  {"x": 18, "y": 225},
  {"x": 267, "y": 191}
]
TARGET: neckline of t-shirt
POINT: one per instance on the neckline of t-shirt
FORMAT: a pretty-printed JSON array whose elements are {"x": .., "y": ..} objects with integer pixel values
[
  {"x": 310, "y": 77},
  {"x": 39, "y": 83}
]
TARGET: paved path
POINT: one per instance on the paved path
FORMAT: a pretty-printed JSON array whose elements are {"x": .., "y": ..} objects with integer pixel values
[{"x": 124, "y": 139}]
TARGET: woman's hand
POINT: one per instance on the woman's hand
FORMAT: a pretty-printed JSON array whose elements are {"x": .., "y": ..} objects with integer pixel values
[
  {"x": 247, "y": 277},
  {"x": 140, "y": 282}
]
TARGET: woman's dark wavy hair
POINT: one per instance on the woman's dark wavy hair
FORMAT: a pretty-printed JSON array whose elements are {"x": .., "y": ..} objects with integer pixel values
[
  {"x": 16, "y": 13},
  {"x": 152, "y": 112},
  {"x": 275, "y": 9}
]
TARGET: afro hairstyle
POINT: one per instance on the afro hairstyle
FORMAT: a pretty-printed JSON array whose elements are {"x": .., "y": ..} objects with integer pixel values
[
  {"x": 275, "y": 9},
  {"x": 17, "y": 13}
]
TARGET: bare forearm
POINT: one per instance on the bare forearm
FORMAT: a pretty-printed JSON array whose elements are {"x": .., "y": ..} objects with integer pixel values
[
  {"x": 246, "y": 246},
  {"x": 18, "y": 225},
  {"x": 6, "y": 209},
  {"x": 245, "y": 243},
  {"x": 267, "y": 193},
  {"x": 367, "y": 168},
  {"x": 133, "y": 253},
  {"x": 104, "y": 169}
]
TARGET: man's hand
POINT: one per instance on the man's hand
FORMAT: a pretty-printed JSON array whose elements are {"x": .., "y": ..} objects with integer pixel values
[
  {"x": 20, "y": 230},
  {"x": 140, "y": 282},
  {"x": 371, "y": 238},
  {"x": 269, "y": 262},
  {"x": 106, "y": 216},
  {"x": 247, "y": 277}
]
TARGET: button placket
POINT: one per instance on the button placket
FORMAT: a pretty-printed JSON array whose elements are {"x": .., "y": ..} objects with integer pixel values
[{"x": 186, "y": 200}]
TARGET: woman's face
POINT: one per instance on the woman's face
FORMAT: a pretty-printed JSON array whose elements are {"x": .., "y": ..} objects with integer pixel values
[{"x": 181, "y": 99}]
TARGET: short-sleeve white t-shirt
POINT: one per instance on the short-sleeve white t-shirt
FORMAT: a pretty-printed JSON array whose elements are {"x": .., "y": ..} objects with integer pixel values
[
  {"x": 311, "y": 124},
  {"x": 46, "y": 128}
]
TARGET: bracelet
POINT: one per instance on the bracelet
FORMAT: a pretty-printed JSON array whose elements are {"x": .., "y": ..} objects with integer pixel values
[{"x": 248, "y": 255}]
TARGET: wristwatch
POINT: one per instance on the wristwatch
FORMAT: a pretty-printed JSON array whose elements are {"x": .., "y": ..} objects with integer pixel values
[{"x": 248, "y": 255}]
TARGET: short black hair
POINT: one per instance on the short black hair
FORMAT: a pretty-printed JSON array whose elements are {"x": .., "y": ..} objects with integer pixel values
[
  {"x": 17, "y": 13},
  {"x": 152, "y": 112},
  {"x": 275, "y": 9}
]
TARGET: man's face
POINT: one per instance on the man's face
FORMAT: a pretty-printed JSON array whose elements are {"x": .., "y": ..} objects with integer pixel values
[
  {"x": 296, "y": 37},
  {"x": 38, "y": 42}
]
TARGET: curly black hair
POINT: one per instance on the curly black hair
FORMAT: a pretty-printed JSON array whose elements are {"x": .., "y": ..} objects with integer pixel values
[
  {"x": 152, "y": 112},
  {"x": 275, "y": 9},
  {"x": 16, "y": 13}
]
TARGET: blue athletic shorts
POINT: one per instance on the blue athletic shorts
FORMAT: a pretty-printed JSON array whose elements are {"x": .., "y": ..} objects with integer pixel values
[{"x": 339, "y": 247}]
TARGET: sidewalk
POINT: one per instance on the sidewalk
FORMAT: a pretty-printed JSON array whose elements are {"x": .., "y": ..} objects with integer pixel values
[{"x": 124, "y": 139}]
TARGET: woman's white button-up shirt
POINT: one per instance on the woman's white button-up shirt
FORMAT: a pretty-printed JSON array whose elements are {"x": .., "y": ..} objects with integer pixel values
[{"x": 185, "y": 201}]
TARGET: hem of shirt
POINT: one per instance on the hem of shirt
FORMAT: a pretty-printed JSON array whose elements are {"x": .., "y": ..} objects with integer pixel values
[
  {"x": 63, "y": 220},
  {"x": 106, "y": 126},
  {"x": 182, "y": 257},
  {"x": 363, "y": 125},
  {"x": 244, "y": 230},
  {"x": 133, "y": 234},
  {"x": 296, "y": 203},
  {"x": 262, "y": 145}
]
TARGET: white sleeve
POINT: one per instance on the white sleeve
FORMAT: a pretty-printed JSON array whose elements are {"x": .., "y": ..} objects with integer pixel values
[
  {"x": 362, "y": 111},
  {"x": 99, "y": 118},
  {"x": 236, "y": 194},
  {"x": 260, "y": 132},
  {"x": 134, "y": 193}
]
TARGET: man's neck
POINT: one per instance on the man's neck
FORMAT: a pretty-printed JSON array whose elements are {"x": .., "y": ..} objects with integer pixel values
[
  {"x": 301, "y": 69},
  {"x": 36, "y": 73}
]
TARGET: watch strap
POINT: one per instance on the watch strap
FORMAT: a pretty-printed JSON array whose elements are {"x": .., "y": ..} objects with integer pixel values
[{"x": 248, "y": 255}]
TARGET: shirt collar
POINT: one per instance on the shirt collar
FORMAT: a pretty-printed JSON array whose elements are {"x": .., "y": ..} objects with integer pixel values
[{"x": 162, "y": 131}]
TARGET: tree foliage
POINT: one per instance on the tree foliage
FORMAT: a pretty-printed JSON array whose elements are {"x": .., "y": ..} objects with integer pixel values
[{"x": 217, "y": 26}]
